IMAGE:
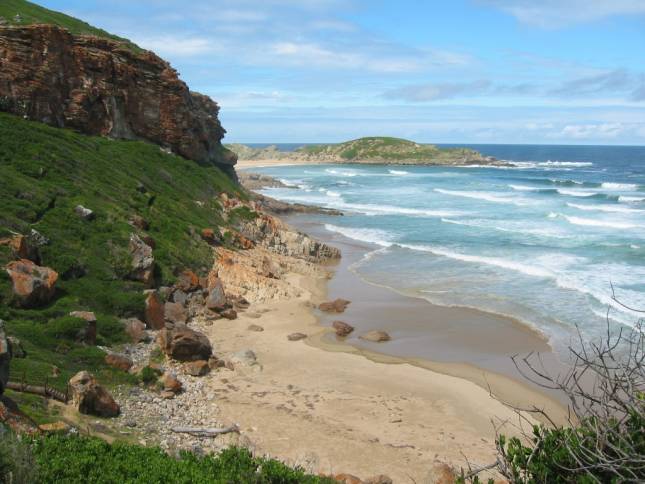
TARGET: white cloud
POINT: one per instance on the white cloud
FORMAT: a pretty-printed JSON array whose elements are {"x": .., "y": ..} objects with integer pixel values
[
  {"x": 592, "y": 131},
  {"x": 559, "y": 13},
  {"x": 176, "y": 47}
]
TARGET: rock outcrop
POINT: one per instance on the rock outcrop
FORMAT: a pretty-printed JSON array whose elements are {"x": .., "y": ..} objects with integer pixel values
[
  {"x": 279, "y": 238},
  {"x": 103, "y": 87}
]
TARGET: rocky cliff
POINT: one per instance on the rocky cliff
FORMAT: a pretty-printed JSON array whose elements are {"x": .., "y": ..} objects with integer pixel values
[{"x": 103, "y": 87}]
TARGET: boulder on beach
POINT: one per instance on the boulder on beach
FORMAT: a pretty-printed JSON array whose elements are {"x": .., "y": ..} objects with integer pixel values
[
  {"x": 376, "y": 336},
  {"x": 336, "y": 306},
  {"x": 342, "y": 329},
  {"x": 175, "y": 313},
  {"x": 184, "y": 344},
  {"x": 296, "y": 336}
]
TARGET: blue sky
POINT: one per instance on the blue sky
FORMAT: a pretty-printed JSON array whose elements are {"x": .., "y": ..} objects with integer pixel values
[{"x": 459, "y": 71}]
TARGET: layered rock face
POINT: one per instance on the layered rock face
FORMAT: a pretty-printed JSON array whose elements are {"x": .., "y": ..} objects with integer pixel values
[{"x": 99, "y": 87}]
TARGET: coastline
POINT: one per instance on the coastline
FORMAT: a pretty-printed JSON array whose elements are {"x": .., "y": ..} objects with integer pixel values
[{"x": 312, "y": 402}]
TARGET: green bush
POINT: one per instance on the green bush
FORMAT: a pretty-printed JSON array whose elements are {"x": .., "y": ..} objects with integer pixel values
[{"x": 73, "y": 459}]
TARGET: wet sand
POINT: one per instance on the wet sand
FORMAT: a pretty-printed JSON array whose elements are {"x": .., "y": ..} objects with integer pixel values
[{"x": 457, "y": 341}]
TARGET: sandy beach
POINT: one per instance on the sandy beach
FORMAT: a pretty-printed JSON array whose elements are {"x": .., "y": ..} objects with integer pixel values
[
  {"x": 340, "y": 411},
  {"x": 334, "y": 406},
  {"x": 246, "y": 164}
]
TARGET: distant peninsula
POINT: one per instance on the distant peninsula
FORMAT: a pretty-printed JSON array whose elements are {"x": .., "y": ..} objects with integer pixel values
[{"x": 371, "y": 150}]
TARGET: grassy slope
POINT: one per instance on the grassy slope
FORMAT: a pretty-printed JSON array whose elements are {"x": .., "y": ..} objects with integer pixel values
[
  {"x": 44, "y": 173},
  {"x": 388, "y": 149},
  {"x": 35, "y": 14}
]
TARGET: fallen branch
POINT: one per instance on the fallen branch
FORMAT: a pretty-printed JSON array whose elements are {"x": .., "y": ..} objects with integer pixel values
[
  {"x": 36, "y": 390},
  {"x": 206, "y": 432}
]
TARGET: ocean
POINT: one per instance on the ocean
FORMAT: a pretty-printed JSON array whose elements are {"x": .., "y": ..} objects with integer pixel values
[{"x": 547, "y": 241}]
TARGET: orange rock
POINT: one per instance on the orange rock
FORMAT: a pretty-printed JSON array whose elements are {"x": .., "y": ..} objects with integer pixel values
[
  {"x": 171, "y": 383},
  {"x": 197, "y": 368},
  {"x": 441, "y": 474},
  {"x": 188, "y": 281},
  {"x": 32, "y": 285},
  {"x": 154, "y": 311}
]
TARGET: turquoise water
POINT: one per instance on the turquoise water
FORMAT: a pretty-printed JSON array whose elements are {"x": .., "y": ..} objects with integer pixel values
[{"x": 542, "y": 241}]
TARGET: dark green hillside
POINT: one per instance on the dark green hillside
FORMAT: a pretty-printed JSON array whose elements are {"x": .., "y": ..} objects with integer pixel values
[
  {"x": 44, "y": 173},
  {"x": 30, "y": 13}
]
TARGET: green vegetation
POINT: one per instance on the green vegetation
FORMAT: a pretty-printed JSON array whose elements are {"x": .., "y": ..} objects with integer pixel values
[
  {"x": 44, "y": 173},
  {"x": 74, "y": 459},
  {"x": 30, "y": 13},
  {"x": 17, "y": 463},
  {"x": 393, "y": 150}
]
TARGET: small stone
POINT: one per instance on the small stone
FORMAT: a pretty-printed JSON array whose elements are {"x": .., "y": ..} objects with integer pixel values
[
  {"x": 197, "y": 368},
  {"x": 139, "y": 222},
  {"x": 214, "y": 363},
  {"x": 342, "y": 329},
  {"x": 121, "y": 362},
  {"x": 256, "y": 328},
  {"x": 296, "y": 336},
  {"x": 84, "y": 213},
  {"x": 170, "y": 383},
  {"x": 376, "y": 336},
  {"x": 229, "y": 314},
  {"x": 380, "y": 479},
  {"x": 167, "y": 395},
  {"x": 336, "y": 306}
]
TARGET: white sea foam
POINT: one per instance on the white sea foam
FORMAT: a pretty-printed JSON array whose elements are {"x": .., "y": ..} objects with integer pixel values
[
  {"x": 524, "y": 188},
  {"x": 487, "y": 196},
  {"x": 498, "y": 225},
  {"x": 576, "y": 193},
  {"x": 372, "y": 236},
  {"x": 398, "y": 172},
  {"x": 626, "y": 199},
  {"x": 599, "y": 223},
  {"x": 605, "y": 208},
  {"x": 492, "y": 261},
  {"x": 552, "y": 215},
  {"x": 369, "y": 209},
  {"x": 572, "y": 164},
  {"x": 335, "y": 172},
  {"x": 626, "y": 187},
  {"x": 333, "y": 194}
]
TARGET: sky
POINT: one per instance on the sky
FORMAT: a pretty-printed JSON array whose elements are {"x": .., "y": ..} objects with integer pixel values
[{"x": 459, "y": 71}]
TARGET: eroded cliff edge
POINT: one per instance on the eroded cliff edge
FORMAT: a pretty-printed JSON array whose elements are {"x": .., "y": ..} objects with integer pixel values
[{"x": 102, "y": 87}]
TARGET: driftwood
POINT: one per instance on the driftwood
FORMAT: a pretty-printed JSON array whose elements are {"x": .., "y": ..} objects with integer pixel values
[
  {"x": 206, "y": 432},
  {"x": 45, "y": 391}
]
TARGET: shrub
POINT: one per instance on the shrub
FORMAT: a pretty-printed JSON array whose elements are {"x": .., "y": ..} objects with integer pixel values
[{"x": 74, "y": 459}]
